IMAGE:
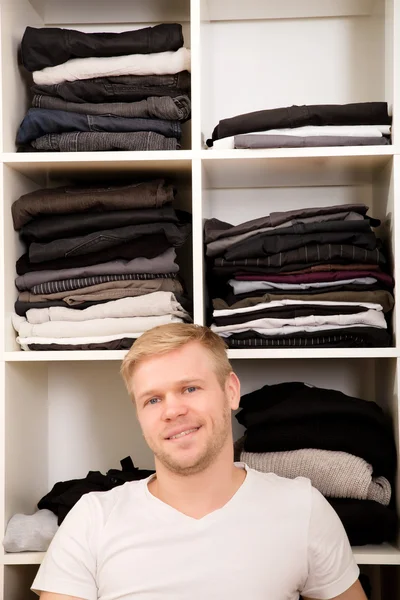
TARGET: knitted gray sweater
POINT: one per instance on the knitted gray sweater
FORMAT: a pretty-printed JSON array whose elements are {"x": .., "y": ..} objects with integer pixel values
[{"x": 334, "y": 474}]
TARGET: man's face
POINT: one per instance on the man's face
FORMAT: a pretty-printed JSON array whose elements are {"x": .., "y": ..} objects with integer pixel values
[{"x": 184, "y": 413}]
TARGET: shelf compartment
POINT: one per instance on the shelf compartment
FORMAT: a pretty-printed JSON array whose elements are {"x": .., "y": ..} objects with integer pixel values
[{"x": 295, "y": 167}]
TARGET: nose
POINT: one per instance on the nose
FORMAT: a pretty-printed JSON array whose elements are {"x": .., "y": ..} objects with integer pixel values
[{"x": 174, "y": 406}]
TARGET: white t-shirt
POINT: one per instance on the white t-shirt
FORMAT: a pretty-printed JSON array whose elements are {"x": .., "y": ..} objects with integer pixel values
[{"x": 275, "y": 537}]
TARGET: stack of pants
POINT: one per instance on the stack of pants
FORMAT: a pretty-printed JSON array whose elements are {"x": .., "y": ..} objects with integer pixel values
[
  {"x": 100, "y": 267},
  {"x": 105, "y": 91},
  {"x": 344, "y": 445},
  {"x": 309, "y": 277},
  {"x": 360, "y": 124}
]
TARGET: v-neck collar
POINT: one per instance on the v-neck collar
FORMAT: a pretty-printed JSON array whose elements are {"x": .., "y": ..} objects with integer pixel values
[{"x": 164, "y": 510}]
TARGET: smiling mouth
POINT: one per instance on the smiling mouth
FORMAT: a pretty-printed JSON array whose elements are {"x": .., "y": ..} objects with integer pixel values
[{"x": 183, "y": 433}]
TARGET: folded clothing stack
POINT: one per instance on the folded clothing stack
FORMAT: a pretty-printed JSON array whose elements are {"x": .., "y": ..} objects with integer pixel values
[
  {"x": 307, "y": 277},
  {"x": 344, "y": 445},
  {"x": 105, "y": 91},
  {"x": 360, "y": 124},
  {"x": 100, "y": 265},
  {"x": 33, "y": 533}
]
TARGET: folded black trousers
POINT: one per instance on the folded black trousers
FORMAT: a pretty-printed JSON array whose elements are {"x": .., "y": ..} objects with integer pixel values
[
  {"x": 362, "y": 113},
  {"x": 50, "y": 46}
]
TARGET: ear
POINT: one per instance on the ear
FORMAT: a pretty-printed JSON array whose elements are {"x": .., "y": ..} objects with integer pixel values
[{"x": 232, "y": 390}]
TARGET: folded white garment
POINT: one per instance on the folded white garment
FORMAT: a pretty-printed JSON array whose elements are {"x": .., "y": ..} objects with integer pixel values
[
  {"x": 243, "y": 287},
  {"x": 228, "y": 143},
  {"x": 225, "y": 312},
  {"x": 154, "y": 304},
  {"x": 30, "y": 533},
  {"x": 65, "y": 329},
  {"x": 281, "y": 330},
  {"x": 368, "y": 318},
  {"x": 75, "y": 341},
  {"x": 158, "y": 63}
]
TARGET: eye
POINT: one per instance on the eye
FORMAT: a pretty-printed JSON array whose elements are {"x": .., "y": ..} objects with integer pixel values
[
  {"x": 153, "y": 401},
  {"x": 191, "y": 389}
]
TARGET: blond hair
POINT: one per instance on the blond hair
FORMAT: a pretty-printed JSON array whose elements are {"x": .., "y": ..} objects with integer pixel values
[{"x": 165, "y": 338}]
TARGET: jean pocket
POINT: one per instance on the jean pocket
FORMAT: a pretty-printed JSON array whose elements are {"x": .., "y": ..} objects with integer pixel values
[{"x": 95, "y": 244}]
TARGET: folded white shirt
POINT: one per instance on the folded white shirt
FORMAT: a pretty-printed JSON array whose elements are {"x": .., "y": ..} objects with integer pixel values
[
  {"x": 64, "y": 329},
  {"x": 158, "y": 63},
  {"x": 243, "y": 287},
  {"x": 153, "y": 304},
  {"x": 287, "y": 330},
  {"x": 75, "y": 341},
  {"x": 368, "y": 318},
  {"x": 226, "y": 312},
  {"x": 228, "y": 143}
]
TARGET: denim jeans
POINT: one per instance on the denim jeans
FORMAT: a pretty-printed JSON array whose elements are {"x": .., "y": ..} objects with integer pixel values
[
  {"x": 162, "y": 107},
  {"x": 50, "y": 46},
  {"x": 40, "y": 121},
  {"x": 99, "y": 142},
  {"x": 124, "y": 88}
]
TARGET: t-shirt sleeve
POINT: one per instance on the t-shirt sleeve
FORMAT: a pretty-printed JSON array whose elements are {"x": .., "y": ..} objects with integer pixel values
[
  {"x": 69, "y": 566},
  {"x": 332, "y": 568}
]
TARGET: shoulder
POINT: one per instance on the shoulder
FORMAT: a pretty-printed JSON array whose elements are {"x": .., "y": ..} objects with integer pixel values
[
  {"x": 102, "y": 505},
  {"x": 280, "y": 492}
]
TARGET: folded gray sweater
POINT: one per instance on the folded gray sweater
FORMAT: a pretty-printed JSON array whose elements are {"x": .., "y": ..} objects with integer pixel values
[{"x": 334, "y": 474}]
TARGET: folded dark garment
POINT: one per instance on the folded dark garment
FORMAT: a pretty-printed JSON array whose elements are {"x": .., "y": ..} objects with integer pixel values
[
  {"x": 289, "y": 311},
  {"x": 376, "y": 296},
  {"x": 351, "y": 337},
  {"x": 321, "y": 276},
  {"x": 49, "y": 46},
  {"x": 40, "y": 122},
  {"x": 362, "y": 113},
  {"x": 87, "y": 198},
  {"x": 260, "y": 246},
  {"x": 76, "y": 283},
  {"x": 175, "y": 233},
  {"x": 249, "y": 141},
  {"x": 147, "y": 246},
  {"x": 366, "y": 521},
  {"x": 53, "y": 227},
  {"x": 122, "y": 88},
  {"x": 312, "y": 254},
  {"x": 65, "y": 494},
  {"x": 101, "y": 141},
  {"x": 290, "y": 416},
  {"x": 122, "y": 344},
  {"x": 214, "y": 229}
]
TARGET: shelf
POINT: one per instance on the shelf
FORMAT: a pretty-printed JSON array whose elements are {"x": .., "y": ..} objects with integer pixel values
[
  {"x": 86, "y": 164},
  {"x": 65, "y": 355},
  {"x": 384, "y": 554},
  {"x": 23, "y": 558},
  {"x": 281, "y": 167},
  {"x": 364, "y": 555},
  {"x": 296, "y": 353},
  {"x": 224, "y": 10},
  {"x": 246, "y": 353}
]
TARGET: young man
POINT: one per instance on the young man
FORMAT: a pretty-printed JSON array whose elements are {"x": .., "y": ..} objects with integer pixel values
[{"x": 203, "y": 527}]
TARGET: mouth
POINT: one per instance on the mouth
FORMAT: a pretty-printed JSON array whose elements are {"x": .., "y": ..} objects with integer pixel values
[{"x": 183, "y": 434}]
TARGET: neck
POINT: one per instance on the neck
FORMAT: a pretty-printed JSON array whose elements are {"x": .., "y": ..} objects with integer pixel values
[{"x": 201, "y": 493}]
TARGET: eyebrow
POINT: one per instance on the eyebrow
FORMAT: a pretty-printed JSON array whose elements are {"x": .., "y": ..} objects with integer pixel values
[{"x": 181, "y": 382}]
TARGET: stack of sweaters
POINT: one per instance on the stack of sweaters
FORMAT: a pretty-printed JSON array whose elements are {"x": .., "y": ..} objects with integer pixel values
[
  {"x": 360, "y": 124},
  {"x": 100, "y": 265},
  {"x": 105, "y": 91},
  {"x": 307, "y": 277},
  {"x": 344, "y": 445}
]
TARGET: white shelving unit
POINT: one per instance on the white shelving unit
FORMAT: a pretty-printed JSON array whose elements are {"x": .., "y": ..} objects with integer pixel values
[{"x": 65, "y": 413}]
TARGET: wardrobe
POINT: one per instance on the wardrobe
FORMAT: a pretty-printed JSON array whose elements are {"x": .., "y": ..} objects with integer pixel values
[{"x": 65, "y": 413}]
